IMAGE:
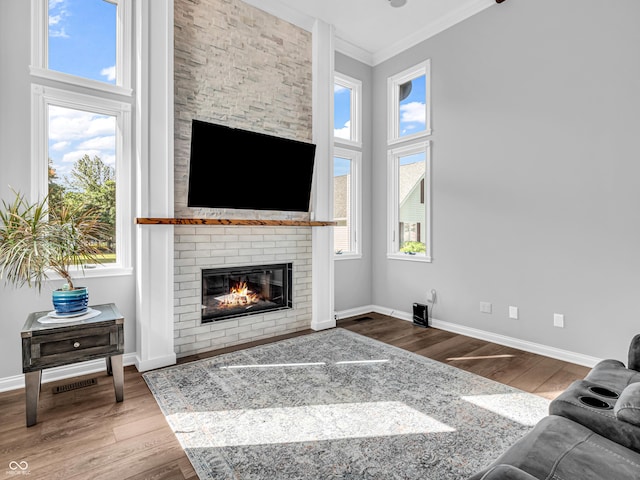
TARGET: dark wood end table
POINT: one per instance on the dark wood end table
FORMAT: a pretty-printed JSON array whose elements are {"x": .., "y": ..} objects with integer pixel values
[{"x": 46, "y": 345}]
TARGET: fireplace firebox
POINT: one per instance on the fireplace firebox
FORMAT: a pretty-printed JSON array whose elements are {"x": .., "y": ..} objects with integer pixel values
[{"x": 238, "y": 291}]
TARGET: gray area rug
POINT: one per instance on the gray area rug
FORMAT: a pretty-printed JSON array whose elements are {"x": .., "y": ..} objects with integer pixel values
[{"x": 338, "y": 405}]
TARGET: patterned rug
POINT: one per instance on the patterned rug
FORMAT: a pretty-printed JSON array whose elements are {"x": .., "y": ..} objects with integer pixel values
[{"x": 338, "y": 405}]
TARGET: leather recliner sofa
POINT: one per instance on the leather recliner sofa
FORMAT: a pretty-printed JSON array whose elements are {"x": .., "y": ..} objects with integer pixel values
[{"x": 592, "y": 431}]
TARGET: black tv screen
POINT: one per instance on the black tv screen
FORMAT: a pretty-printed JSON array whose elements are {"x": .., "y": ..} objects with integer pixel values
[{"x": 236, "y": 168}]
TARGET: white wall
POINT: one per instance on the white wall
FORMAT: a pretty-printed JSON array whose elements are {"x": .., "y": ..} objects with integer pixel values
[
  {"x": 353, "y": 275},
  {"x": 16, "y": 304},
  {"x": 535, "y": 174}
]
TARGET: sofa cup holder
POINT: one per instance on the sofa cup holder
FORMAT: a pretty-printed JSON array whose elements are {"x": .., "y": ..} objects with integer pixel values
[
  {"x": 594, "y": 402},
  {"x": 603, "y": 392}
]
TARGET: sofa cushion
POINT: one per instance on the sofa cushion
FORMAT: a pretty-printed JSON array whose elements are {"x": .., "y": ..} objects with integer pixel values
[
  {"x": 627, "y": 408},
  {"x": 593, "y": 405},
  {"x": 507, "y": 472},
  {"x": 634, "y": 353},
  {"x": 612, "y": 374},
  {"x": 561, "y": 448}
]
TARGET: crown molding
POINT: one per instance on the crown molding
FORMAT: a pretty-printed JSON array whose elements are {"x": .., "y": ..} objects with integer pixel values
[{"x": 432, "y": 29}]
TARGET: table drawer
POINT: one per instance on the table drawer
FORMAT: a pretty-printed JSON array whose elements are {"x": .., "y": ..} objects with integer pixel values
[{"x": 61, "y": 348}]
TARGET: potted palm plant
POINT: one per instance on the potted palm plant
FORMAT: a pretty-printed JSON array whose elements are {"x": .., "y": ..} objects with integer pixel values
[{"x": 36, "y": 241}]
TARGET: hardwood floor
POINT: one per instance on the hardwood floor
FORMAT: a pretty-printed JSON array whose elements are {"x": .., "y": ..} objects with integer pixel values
[{"x": 85, "y": 434}]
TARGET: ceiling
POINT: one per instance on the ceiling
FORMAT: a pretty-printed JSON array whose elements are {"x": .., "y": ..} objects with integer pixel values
[{"x": 372, "y": 30}]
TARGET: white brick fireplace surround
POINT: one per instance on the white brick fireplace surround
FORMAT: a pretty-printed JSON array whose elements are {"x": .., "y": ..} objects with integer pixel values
[{"x": 206, "y": 246}]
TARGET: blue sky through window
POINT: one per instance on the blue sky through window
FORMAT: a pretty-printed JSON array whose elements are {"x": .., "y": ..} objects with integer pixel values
[
  {"x": 341, "y": 111},
  {"x": 82, "y": 42},
  {"x": 413, "y": 108},
  {"x": 82, "y": 38},
  {"x": 75, "y": 133},
  {"x": 341, "y": 166}
]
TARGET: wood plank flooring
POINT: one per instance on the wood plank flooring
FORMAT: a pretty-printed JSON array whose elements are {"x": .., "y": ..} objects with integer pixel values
[{"x": 85, "y": 434}]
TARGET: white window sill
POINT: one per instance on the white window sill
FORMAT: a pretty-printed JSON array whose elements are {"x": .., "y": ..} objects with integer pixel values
[
  {"x": 409, "y": 138},
  {"x": 347, "y": 256},
  {"x": 72, "y": 80},
  {"x": 96, "y": 272},
  {"x": 409, "y": 257}
]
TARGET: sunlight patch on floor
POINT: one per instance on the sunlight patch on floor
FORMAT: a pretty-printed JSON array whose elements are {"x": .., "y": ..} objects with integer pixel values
[
  {"x": 301, "y": 424},
  {"x": 481, "y": 357},
  {"x": 524, "y": 408}
]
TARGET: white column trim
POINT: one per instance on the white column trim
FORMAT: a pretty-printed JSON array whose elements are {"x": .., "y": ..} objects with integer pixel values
[
  {"x": 322, "y": 302},
  {"x": 154, "y": 177}
]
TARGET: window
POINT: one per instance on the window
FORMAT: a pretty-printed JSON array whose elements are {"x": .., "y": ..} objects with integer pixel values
[
  {"x": 410, "y": 104},
  {"x": 409, "y": 164},
  {"x": 346, "y": 198},
  {"x": 347, "y": 166},
  {"x": 347, "y": 94},
  {"x": 86, "y": 42},
  {"x": 409, "y": 174},
  {"x": 81, "y": 118}
]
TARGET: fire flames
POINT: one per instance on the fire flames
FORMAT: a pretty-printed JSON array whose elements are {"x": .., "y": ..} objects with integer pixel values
[{"x": 239, "y": 294}]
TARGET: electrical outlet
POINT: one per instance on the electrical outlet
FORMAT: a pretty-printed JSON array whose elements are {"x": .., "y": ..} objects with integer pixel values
[
  {"x": 485, "y": 307},
  {"x": 513, "y": 312},
  {"x": 558, "y": 320},
  {"x": 431, "y": 296}
]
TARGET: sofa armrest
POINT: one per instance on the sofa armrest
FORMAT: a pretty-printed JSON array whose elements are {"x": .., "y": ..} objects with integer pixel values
[
  {"x": 627, "y": 408},
  {"x": 507, "y": 472},
  {"x": 634, "y": 353}
]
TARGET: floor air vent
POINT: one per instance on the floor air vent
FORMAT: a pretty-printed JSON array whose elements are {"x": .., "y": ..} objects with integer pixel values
[{"x": 75, "y": 385}]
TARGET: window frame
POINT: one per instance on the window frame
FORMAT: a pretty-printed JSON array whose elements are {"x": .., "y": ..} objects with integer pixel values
[
  {"x": 49, "y": 87},
  {"x": 393, "y": 99},
  {"x": 40, "y": 50},
  {"x": 356, "y": 202},
  {"x": 355, "y": 86},
  {"x": 393, "y": 201}
]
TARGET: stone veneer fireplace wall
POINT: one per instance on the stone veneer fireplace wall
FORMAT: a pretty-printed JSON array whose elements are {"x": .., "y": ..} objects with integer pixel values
[{"x": 239, "y": 66}]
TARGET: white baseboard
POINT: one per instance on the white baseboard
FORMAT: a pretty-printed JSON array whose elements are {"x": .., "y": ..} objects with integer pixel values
[
  {"x": 66, "y": 371},
  {"x": 552, "y": 352},
  {"x": 159, "y": 362},
  {"x": 323, "y": 325}
]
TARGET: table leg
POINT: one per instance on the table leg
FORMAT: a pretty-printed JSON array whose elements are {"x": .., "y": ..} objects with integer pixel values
[
  {"x": 118, "y": 376},
  {"x": 109, "y": 368},
  {"x": 32, "y": 393}
]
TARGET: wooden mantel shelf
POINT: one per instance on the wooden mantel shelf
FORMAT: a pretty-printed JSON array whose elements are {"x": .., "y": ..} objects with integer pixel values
[{"x": 229, "y": 221}]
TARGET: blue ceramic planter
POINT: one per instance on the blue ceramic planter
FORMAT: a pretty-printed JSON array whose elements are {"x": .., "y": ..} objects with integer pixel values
[{"x": 69, "y": 302}]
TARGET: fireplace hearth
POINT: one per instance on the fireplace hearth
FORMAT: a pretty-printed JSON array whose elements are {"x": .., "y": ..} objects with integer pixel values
[{"x": 231, "y": 292}]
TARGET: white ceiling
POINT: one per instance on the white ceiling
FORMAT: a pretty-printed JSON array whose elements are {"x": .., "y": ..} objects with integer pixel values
[{"x": 371, "y": 30}]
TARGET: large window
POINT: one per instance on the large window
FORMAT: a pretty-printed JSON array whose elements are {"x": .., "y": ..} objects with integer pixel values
[
  {"x": 347, "y": 166},
  {"x": 409, "y": 164},
  {"x": 409, "y": 193},
  {"x": 346, "y": 194},
  {"x": 81, "y": 115}
]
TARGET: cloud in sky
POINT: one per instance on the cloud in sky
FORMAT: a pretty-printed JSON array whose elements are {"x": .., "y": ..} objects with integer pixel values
[
  {"x": 413, "y": 112},
  {"x": 109, "y": 72},
  {"x": 344, "y": 132},
  {"x": 57, "y": 14},
  {"x": 59, "y": 145},
  {"x": 66, "y": 124},
  {"x": 100, "y": 143},
  {"x": 75, "y": 133}
]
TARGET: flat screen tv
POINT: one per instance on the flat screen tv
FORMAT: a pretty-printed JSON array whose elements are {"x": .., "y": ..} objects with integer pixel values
[{"x": 236, "y": 168}]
